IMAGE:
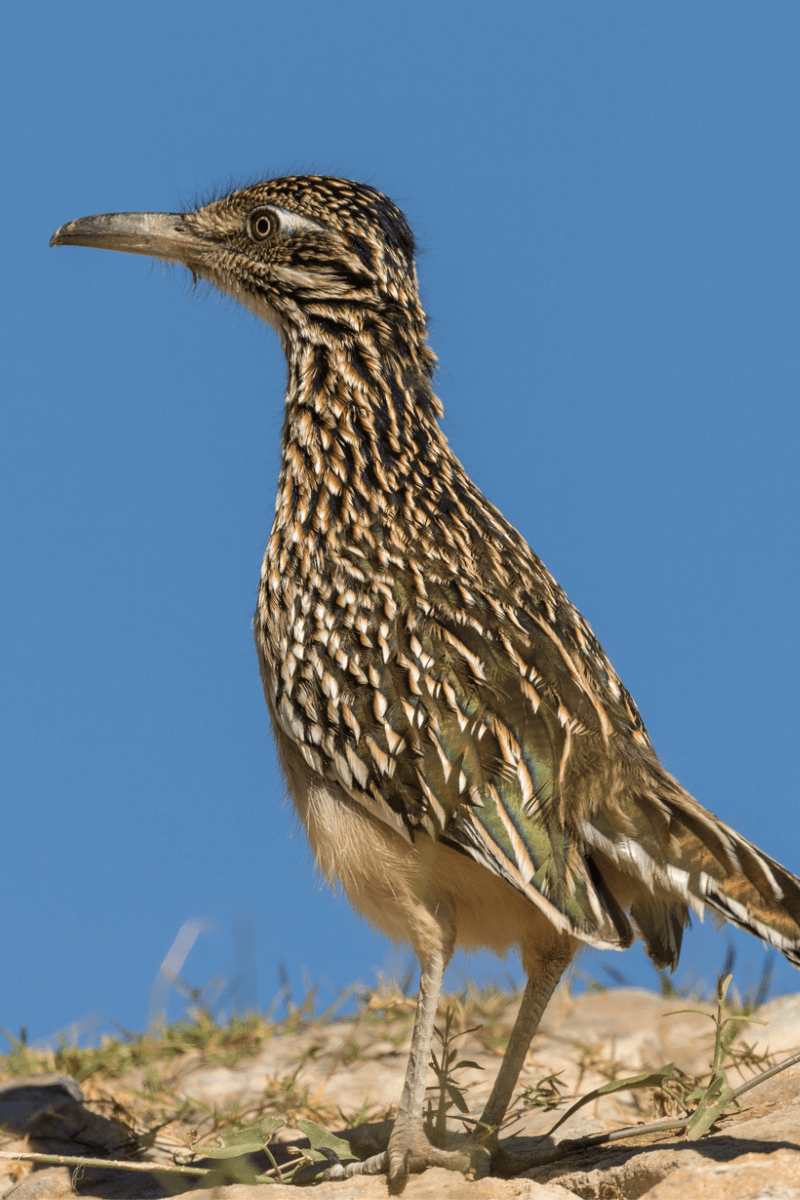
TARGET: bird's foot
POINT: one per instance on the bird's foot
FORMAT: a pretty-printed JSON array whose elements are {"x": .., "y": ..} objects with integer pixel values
[
  {"x": 377, "y": 1164},
  {"x": 410, "y": 1153}
]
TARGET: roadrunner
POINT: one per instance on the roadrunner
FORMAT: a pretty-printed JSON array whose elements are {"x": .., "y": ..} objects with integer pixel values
[{"x": 461, "y": 753}]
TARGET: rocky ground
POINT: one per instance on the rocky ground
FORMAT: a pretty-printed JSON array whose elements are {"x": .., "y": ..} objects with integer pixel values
[{"x": 160, "y": 1102}]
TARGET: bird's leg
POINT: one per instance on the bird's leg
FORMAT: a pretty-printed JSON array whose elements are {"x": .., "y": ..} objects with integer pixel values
[
  {"x": 409, "y": 1149},
  {"x": 541, "y": 984}
]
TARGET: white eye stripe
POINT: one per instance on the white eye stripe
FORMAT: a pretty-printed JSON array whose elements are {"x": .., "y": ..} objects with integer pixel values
[{"x": 293, "y": 222}]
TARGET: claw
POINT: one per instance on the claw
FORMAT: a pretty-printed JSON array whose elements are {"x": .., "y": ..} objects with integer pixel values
[
  {"x": 410, "y": 1156},
  {"x": 410, "y": 1153}
]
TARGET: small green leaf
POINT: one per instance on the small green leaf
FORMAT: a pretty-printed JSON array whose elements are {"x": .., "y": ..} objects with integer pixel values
[
  {"x": 243, "y": 1141},
  {"x": 647, "y": 1079},
  {"x": 457, "y": 1098},
  {"x": 706, "y": 1114},
  {"x": 723, "y": 983},
  {"x": 319, "y": 1138},
  {"x": 713, "y": 1103},
  {"x": 235, "y": 1170},
  {"x": 230, "y": 1151},
  {"x": 676, "y": 1012}
]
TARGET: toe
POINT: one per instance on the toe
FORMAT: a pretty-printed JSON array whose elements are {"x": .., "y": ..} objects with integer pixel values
[{"x": 410, "y": 1153}]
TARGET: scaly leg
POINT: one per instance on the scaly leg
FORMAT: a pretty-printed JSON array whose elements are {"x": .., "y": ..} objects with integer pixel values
[
  {"x": 538, "y": 990},
  {"x": 409, "y": 1149}
]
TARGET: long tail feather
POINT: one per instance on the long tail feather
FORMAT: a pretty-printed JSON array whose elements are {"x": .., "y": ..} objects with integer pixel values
[{"x": 676, "y": 856}]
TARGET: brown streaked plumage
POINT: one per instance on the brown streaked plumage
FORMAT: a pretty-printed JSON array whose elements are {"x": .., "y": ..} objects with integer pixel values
[{"x": 459, "y": 748}]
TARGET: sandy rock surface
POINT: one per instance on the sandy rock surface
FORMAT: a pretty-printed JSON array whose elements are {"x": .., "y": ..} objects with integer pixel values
[{"x": 342, "y": 1069}]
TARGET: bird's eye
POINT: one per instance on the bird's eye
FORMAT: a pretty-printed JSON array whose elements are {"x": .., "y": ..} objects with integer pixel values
[{"x": 263, "y": 223}]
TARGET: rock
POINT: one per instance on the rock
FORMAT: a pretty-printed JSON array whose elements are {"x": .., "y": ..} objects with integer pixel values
[
  {"x": 751, "y": 1177},
  {"x": 23, "y": 1098},
  {"x": 52, "y": 1183},
  {"x": 435, "y": 1184},
  {"x": 49, "y": 1110}
]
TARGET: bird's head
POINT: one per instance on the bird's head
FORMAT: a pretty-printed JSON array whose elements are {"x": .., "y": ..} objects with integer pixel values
[{"x": 317, "y": 257}]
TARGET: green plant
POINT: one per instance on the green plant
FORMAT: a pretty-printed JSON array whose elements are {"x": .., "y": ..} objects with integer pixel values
[
  {"x": 714, "y": 1097},
  {"x": 448, "y": 1093},
  {"x": 547, "y": 1093}
]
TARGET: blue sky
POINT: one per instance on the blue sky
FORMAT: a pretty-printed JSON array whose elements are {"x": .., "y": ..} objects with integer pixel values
[{"x": 606, "y": 197}]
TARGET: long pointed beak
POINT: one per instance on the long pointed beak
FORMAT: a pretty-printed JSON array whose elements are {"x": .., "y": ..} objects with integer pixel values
[{"x": 160, "y": 235}]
